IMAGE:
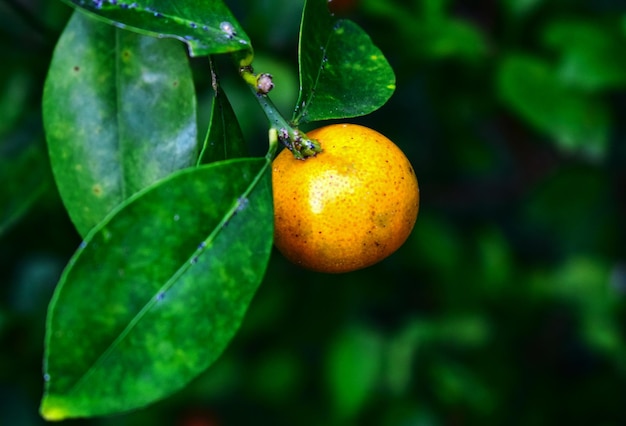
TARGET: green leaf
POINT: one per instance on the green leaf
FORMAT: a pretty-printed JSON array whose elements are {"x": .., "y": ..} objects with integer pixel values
[
  {"x": 434, "y": 33},
  {"x": 342, "y": 73},
  {"x": 452, "y": 38},
  {"x": 206, "y": 26},
  {"x": 456, "y": 384},
  {"x": 119, "y": 112},
  {"x": 577, "y": 121},
  {"x": 224, "y": 139},
  {"x": 583, "y": 282},
  {"x": 521, "y": 8},
  {"x": 593, "y": 55},
  {"x": 353, "y": 369},
  {"x": 155, "y": 293}
]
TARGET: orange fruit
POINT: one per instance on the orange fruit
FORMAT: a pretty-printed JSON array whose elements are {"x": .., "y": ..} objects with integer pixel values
[{"x": 350, "y": 206}]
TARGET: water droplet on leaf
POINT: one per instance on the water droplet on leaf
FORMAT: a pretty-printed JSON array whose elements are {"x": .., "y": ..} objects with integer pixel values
[{"x": 228, "y": 29}]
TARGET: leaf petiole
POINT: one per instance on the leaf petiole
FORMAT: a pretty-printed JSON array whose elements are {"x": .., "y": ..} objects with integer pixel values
[{"x": 293, "y": 139}]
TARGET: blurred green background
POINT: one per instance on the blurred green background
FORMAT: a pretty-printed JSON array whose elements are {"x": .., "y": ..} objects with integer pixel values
[{"x": 505, "y": 306}]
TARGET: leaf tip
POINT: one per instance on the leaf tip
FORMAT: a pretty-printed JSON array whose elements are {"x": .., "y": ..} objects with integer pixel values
[{"x": 52, "y": 411}]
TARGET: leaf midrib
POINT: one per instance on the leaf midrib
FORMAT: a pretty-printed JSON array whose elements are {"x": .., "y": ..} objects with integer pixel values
[
  {"x": 170, "y": 282},
  {"x": 122, "y": 147}
]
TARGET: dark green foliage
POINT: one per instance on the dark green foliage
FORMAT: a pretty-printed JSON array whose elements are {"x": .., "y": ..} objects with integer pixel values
[
  {"x": 342, "y": 74},
  {"x": 105, "y": 101},
  {"x": 575, "y": 120},
  {"x": 505, "y": 306},
  {"x": 130, "y": 324},
  {"x": 224, "y": 139},
  {"x": 206, "y": 26}
]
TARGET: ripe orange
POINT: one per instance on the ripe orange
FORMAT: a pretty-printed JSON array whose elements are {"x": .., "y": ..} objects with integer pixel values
[{"x": 350, "y": 206}]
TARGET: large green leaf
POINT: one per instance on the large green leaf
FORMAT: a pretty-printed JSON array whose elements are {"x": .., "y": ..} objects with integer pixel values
[
  {"x": 224, "y": 139},
  {"x": 342, "y": 73},
  {"x": 155, "y": 293},
  {"x": 207, "y": 26},
  {"x": 575, "y": 120},
  {"x": 120, "y": 113}
]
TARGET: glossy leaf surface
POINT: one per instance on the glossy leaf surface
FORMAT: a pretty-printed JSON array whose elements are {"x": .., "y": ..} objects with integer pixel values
[
  {"x": 155, "y": 293},
  {"x": 119, "y": 112},
  {"x": 206, "y": 26},
  {"x": 342, "y": 73},
  {"x": 577, "y": 121},
  {"x": 224, "y": 138}
]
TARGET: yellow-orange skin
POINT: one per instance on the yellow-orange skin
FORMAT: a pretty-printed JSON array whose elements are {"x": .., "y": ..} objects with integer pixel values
[{"x": 350, "y": 206}]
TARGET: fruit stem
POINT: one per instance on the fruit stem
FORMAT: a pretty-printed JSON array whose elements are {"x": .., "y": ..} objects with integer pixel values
[
  {"x": 273, "y": 138},
  {"x": 296, "y": 141}
]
